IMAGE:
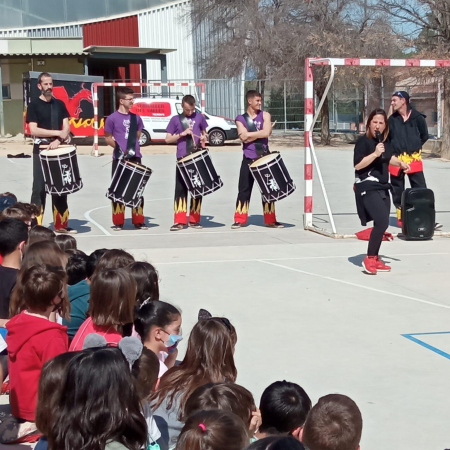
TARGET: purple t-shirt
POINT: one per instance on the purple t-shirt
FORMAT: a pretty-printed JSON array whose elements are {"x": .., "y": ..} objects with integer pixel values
[
  {"x": 249, "y": 148},
  {"x": 198, "y": 123},
  {"x": 118, "y": 125}
]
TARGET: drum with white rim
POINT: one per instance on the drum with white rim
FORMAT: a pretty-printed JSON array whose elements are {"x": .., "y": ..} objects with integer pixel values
[
  {"x": 199, "y": 174},
  {"x": 60, "y": 170},
  {"x": 128, "y": 183},
  {"x": 272, "y": 177}
]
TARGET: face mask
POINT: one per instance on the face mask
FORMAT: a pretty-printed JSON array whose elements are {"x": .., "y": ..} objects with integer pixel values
[{"x": 172, "y": 343}]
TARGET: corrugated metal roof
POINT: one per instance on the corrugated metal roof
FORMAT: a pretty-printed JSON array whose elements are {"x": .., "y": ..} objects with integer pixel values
[{"x": 9, "y": 55}]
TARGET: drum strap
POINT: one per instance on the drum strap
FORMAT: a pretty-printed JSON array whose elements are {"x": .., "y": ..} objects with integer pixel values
[
  {"x": 190, "y": 147},
  {"x": 132, "y": 133},
  {"x": 259, "y": 146},
  {"x": 54, "y": 114}
]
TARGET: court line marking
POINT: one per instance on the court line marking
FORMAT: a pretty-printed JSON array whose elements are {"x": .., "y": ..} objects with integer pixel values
[
  {"x": 411, "y": 337},
  {"x": 16, "y": 163},
  {"x": 87, "y": 216},
  {"x": 299, "y": 258},
  {"x": 361, "y": 286}
]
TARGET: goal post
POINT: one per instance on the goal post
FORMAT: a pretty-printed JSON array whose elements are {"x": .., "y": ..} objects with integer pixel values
[
  {"x": 311, "y": 115},
  {"x": 95, "y": 86}
]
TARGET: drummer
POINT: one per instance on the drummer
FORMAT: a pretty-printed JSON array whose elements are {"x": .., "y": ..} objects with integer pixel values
[
  {"x": 187, "y": 130},
  {"x": 254, "y": 144},
  {"x": 48, "y": 120},
  {"x": 117, "y": 134}
]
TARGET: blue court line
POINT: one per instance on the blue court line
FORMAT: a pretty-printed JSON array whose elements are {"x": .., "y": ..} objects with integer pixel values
[{"x": 424, "y": 344}]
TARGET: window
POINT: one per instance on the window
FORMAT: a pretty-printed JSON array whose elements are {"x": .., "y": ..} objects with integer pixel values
[{"x": 6, "y": 92}]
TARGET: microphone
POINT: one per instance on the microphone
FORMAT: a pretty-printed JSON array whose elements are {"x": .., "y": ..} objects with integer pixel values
[{"x": 378, "y": 136}]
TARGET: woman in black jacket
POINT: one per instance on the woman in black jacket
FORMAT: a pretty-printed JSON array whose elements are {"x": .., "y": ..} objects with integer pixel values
[{"x": 372, "y": 156}]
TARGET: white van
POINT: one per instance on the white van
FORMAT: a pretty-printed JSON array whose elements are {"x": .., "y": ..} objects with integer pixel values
[{"x": 157, "y": 112}]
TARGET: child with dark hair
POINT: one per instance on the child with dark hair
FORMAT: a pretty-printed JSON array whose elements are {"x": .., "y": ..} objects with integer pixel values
[
  {"x": 13, "y": 238},
  {"x": 276, "y": 443},
  {"x": 284, "y": 407},
  {"x": 39, "y": 233},
  {"x": 93, "y": 259},
  {"x": 32, "y": 340},
  {"x": 225, "y": 397},
  {"x": 76, "y": 266},
  {"x": 16, "y": 213},
  {"x": 114, "y": 259},
  {"x": 111, "y": 306},
  {"x": 43, "y": 252},
  {"x": 331, "y": 413},
  {"x": 66, "y": 242},
  {"x": 98, "y": 407},
  {"x": 209, "y": 359},
  {"x": 146, "y": 278},
  {"x": 30, "y": 208},
  {"x": 145, "y": 374},
  {"x": 158, "y": 324},
  {"x": 78, "y": 290},
  {"x": 213, "y": 430},
  {"x": 52, "y": 377}
]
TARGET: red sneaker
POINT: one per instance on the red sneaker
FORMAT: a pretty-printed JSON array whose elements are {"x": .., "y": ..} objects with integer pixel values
[
  {"x": 399, "y": 223},
  {"x": 381, "y": 266},
  {"x": 370, "y": 265}
]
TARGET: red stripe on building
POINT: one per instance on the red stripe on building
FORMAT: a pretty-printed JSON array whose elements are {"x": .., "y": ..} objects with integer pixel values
[
  {"x": 412, "y": 63},
  {"x": 308, "y": 204},
  {"x": 308, "y": 172},
  {"x": 382, "y": 62}
]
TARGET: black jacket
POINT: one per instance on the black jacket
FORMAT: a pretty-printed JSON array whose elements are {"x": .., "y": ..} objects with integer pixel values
[{"x": 407, "y": 137}]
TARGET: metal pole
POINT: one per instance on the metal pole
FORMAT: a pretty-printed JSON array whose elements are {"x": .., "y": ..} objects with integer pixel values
[
  {"x": 439, "y": 108},
  {"x": 2, "y": 115},
  {"x": 285, "y": 108}
]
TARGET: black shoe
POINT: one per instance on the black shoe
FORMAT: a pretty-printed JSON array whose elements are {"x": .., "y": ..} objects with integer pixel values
[
  {"x": 195, "y": 225},
  {"x": 141, "y": 226},
  {"x": 66, "y": 231},
  {"x": 274, "y": 225},
  {"x": 117, "y": 227},
  {"x": 236, "y": 225},
  {"x": 176, "y": 227},
  {"x": 437, "y": 226}
]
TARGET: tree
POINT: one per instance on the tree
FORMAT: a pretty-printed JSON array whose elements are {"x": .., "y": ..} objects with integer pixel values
[{"x": 425, "y": 25}]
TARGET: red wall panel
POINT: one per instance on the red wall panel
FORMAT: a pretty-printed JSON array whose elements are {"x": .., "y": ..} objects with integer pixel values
[{"x": 121, "y": 32}]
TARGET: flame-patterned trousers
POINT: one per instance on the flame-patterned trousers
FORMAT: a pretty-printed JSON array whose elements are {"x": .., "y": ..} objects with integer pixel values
[{"x": 181, "y": 199}]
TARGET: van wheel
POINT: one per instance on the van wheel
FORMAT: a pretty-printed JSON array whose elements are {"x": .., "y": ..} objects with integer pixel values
[
  {"x": 216, "y": 137},
  {"x": 144, "y": 139}
]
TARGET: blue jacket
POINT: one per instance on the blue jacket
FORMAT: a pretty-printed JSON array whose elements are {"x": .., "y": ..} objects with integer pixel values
[{"x": 79, "y": 303}]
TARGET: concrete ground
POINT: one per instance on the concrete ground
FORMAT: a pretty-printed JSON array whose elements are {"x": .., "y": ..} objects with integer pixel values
[{"x": 303, "y": 309}]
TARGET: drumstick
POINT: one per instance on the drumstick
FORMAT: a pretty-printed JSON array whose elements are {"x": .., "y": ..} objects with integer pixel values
[{"x": 109, "y": 162}]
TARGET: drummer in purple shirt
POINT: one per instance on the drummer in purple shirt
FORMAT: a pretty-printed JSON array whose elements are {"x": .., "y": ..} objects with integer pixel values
[
  {"x": 117, "y": 127},
  {"x": 187, "y": 140},
  {"x": 250, "y": 141}
]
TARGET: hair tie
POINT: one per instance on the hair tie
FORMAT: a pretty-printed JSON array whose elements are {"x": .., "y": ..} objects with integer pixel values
[
  {"x": 145, "y": 302},
  {"x": 202, "y": 426}
]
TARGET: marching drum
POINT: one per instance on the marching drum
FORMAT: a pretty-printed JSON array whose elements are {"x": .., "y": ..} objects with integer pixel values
[
  {"x": 199, "y": 174},
  {"x": 60, "y": 170},
  {"x": 272, "y": 177},
  {"x": 128, "y": 183}
]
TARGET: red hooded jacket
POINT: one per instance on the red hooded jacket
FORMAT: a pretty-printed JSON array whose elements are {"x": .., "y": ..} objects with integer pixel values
[{"x": 31, "y": 342}]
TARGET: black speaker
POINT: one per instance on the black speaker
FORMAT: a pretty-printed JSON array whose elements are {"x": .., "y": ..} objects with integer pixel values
[{"x": 418, "y": 214}]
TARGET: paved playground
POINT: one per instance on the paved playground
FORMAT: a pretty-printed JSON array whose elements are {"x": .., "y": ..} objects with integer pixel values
[{"x": 303, "y": 308}]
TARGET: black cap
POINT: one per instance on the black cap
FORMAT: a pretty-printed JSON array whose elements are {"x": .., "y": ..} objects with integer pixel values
[
  {"x": 402, "y": 94},
  {"x": 6, "y": 201}
]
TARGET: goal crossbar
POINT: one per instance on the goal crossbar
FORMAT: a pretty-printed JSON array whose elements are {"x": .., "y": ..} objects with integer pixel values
[
  {"x": 95, "y": 86},
  {"x": 311, "y": 118}
]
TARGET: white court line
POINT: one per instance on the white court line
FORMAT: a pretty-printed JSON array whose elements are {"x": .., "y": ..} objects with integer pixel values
[
  {"x": 299, "y": 258},
  {"x": 16, "y": 163},
  {"x": 87, "y": 216},
  {"x": 169, "y": 233},
  {"x": 361, "y": 286}
]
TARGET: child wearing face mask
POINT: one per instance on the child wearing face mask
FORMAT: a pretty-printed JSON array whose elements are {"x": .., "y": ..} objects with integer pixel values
[
  {"x": 32, "y": 340},
  {"x": 159, "y": 326}
]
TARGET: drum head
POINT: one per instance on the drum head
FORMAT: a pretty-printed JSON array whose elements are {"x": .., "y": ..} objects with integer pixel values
[
  {"x": 265, "y": 160},
  {"x": 192, "y": 156},
  {"x": 63, "y": 150},
  {"x": 138, "y": 166}
]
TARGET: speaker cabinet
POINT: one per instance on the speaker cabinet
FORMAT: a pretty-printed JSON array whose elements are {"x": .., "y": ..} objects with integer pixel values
[{"x": 418, "y": 214}]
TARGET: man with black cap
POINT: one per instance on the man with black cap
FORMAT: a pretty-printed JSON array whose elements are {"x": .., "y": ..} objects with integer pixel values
[{"x": 408, "y": 132}]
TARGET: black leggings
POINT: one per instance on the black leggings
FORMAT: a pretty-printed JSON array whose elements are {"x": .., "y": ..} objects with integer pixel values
[{"x": 378, "y": 206}]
